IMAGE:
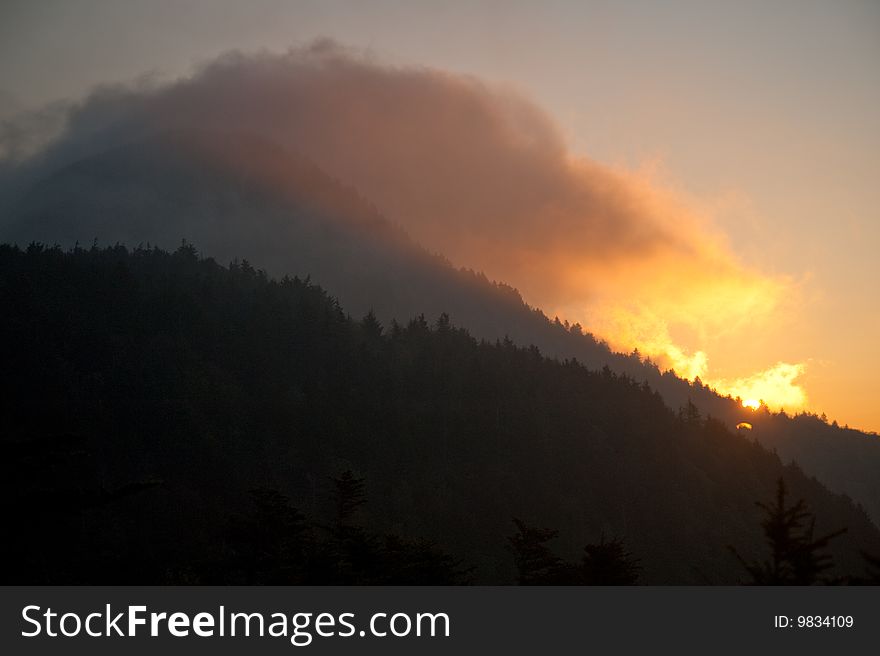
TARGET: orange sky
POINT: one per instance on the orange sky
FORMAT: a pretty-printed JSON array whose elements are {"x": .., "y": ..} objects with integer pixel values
[{"x": 736, "y": 143}]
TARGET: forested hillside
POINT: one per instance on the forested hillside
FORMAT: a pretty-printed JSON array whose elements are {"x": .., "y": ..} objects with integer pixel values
[
  {"x": 240, "y": 196},
  {"x": 165, "y": 418}
]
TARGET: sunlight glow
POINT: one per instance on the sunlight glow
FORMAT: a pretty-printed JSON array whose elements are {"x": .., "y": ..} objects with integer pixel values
[{"x": 777, "y": 388}]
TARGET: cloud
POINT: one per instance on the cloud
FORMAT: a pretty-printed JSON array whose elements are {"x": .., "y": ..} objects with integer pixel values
[
  {"x": 475, "y": 171},
  {"x": 778, "y": 383},
  {"x": 24, "y": 134}
]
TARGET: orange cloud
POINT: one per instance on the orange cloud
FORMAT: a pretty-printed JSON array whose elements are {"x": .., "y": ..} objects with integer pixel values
[
  {"x": 776, "y": 385},
  {"x": 481, "y": 174}
]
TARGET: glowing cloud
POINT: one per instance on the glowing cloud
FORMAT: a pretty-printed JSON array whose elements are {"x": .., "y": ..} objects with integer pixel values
[
  {"x": 481, "y": 174},
  {"x": 776, "y": 386}
]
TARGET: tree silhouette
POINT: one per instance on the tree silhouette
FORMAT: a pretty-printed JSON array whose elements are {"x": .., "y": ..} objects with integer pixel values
[
  {"x": 796, "y": 556},
  {"x": 354, "y": 550},
  {"x": 690, "y": 414},
  {"x": 349, "y": 495},
  {"x": 609, "y": 563},
  {"x": 371, "y": 327},
  {"x": 535, "y": 563},
  {"x": 605, "y": 563},
  {"x": 269, "y": 545}
]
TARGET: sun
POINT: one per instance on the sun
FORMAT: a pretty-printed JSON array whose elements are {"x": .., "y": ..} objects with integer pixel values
[{"x": 754, "y": 404}]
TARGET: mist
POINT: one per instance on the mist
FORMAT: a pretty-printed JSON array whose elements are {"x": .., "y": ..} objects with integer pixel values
[{"x": 473, "y": 170}]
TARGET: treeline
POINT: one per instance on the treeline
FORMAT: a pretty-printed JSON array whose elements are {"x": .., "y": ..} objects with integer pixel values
[
  {"x": 273, "y": 543},
  {"x": 241, "y": 196},
  {"x": 146, "y": 394}
]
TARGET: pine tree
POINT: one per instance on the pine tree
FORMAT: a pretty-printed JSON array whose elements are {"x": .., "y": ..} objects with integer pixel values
[
  {"x": 443, "y": 324},
  {"x": 535, "y": 563},
  {"x": 796, "y": 557},
  {"x": 267, "y": 546},
  {"x": 690, "y": 414},
  {"x": 370, "y": 326},
  {"x": 349, "y": 495},
  {"x": 609, "y": 563}
]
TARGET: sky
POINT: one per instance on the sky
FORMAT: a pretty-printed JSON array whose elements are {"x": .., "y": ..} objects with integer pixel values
[{"x": 754, "y": 125}]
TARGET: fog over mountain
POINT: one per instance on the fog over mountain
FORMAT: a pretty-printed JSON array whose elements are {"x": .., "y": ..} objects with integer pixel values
[
  {"x": 473, "y": 170},
  {"x": 240, "y": 196}
]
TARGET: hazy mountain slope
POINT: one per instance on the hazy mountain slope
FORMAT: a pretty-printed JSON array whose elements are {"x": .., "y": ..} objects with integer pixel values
[
  {"x": 144, "y": 394},
  {"x": 238, "y": 196}
]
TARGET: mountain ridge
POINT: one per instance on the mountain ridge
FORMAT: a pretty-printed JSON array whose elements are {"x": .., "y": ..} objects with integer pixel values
[
  {"x": 145, "y": 393},
  {"x": 237, "y": 195}
]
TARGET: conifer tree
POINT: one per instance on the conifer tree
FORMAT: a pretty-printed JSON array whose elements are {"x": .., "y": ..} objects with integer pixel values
[
  {"x": 796, "y": 556},
  {"x": 349, "y": 495},
  {"x": 370, "y": 326},
  {"x": 609, "y": 563},
  {"x": 535, "y": 563}
]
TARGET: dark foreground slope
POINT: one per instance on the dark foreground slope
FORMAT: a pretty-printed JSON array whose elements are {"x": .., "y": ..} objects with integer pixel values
[
  {"x": 144, "y": 395},
  {"x": 239, "y": 196}
]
